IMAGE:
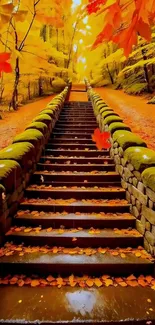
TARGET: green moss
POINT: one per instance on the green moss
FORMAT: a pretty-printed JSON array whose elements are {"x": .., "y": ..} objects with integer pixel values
[
  {"x": 105, "y": 109},
  {"x": 140, "y": 157},
  {"x": 113, "y": 118},
  {"x": 108, "y": 113},
  {"x": 148, "y": 178},
  {"x": 28, "y": 135},
  {"x": 127, "y": 139},
  {"x": 42, "y": 117},
  {"x": 118, "y": 126},
  {"x": 15, "y": 151},
  {"x": 6, "y": 166},
  {"x": 38, "y": 126},
  {"x": 47, "y": 111}
]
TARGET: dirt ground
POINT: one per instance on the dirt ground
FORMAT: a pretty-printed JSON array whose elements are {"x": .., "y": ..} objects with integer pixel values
[
  {"x": 135, "y": 112},
  {"x": 16, "y": 122}
]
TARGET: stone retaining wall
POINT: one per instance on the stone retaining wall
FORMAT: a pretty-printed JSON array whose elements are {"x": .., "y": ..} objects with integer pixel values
[
  {"x": 19, "y": 160},
  {"x": 135, "y": 164}
]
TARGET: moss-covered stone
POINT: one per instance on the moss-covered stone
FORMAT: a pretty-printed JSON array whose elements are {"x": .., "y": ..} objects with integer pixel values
[
  {"x": 106, "y": 109},
  {"x": 10, "y": 174},
  {"x": 38, "y": 126},
  {"x": 29, "y": 135},
  {"x": 148, "y": 178},
  {"x": 113, "y": 118},
  {"x": 141, "y": 158},
  {"x": 24, "y": 153},
  {"x": 42, "y": 117},
  {"x": 127, "y": 139},
  {"x": 108, "y": 113},
  {"x": 50, "y": 112},
  {"x": 118, "y": 126}
]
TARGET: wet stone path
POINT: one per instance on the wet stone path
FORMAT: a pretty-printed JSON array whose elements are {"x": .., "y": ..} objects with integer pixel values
[{"x": 74, "y": 222}]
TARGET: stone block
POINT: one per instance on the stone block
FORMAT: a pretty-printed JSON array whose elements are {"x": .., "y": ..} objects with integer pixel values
[
  {"x": 140, "y": 227},
  {"x": 149, "y": 214},
  {"x": 135, "y": 181},
  {"x": 117, "y": 159},
  {"x": 139, "y": 195},
  {"x": 133, "y": 200},
  {"x": 148, "y": 226},
  {"x": 153, "y": 231},
  {"x": 120, "y": 169},
  {"x": 143, "y": 220},
  {"x": 150, "y": 204},
  {"x": 130, "y": 188},
  {"x": 141, "y": 187},
  {"x": 128, "y": 196},
  {"x": 130, "y": 180},
  {"x": 150, "y": 238},
  {"x": 150, "y": 194},
  {"x": 135, "y": 212},
  {"x": 130, "y": 167},
  {"x": 124, "y": 184},
  {"x": 146, "y": 245},
  {"x": 123, "y": 161},
  {"x": 127, "y": 173},
  {"x": 115, "y": 145},
  {"x": 120, "y": 151},
  {"x": 116, "y": 151},
  {"x": 138, "y": 205},
  {"x": 137, "y": 175}
]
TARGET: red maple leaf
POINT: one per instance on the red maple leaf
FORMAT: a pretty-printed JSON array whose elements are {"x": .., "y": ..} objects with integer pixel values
[
  {"x": 101, "y": 139},
  {"x": 94, "y": 6},
  {"x": 4, "y": 65}
]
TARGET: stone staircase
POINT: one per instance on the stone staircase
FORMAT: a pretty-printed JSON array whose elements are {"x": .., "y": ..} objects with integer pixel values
[{"x": 75, "y": 216}]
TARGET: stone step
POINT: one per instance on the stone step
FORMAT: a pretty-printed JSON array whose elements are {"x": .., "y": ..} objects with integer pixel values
[
  {"x": 51, "y": 205},
  {"x": 77, "y": 119},
  {"x": 78, "y": 160},
  {"x": 76, "y": 125},
  {"x": 71, "y": 146},
  {"x": 65, "y": 264},
  {"x": 77, "y": 238},
  {"x": 75, "y": 177},
  {"x": 77, "y": 153},
  {"x": 72, "y": 220},
  {"x": 70, "y": 140},
  {"x": 71, "y": 135},
  {"x": 78, "y": 130},
  {"x": 79, "y": 194},
  {"x": 104, "y": 306},
  {"x": 75, "y": 167}
]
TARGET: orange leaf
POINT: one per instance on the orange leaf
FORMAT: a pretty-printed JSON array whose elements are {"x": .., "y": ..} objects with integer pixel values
[
  {"x": 98, "y": 282},
  {"x": 89, "y": 282},
  {"x": 35, "y": 283}
]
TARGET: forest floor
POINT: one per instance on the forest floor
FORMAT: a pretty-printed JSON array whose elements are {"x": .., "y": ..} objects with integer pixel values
[
  {"x": 135, "y": 112},
  {"x": 15, "y": 122}
]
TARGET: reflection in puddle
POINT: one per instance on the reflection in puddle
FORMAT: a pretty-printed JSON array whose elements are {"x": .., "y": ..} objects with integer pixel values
[{"x": 81, "y": 302}]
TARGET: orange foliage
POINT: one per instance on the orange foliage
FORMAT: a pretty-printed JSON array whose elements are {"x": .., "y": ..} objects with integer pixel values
[{"x": 124, "y": 20}]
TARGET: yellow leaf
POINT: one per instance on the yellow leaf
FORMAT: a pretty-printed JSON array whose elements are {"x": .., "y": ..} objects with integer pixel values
[
  {"x": 20, "y": 15},
  {"x": 98, "y": 282}
]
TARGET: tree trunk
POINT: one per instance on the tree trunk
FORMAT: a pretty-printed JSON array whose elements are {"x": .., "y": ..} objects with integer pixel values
[
  {"x": 146, "y": 74},
  {"x": 110, "y": 75},
  {"x": 40, "y": 87},
  {"x": 29, "y": 90},
  {"x": 14, "y": 99}
]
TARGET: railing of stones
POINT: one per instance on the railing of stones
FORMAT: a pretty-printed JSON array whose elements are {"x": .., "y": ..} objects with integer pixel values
[
  {"x": 19, "y": 160},
  {"x": 136, "y": 165}
]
